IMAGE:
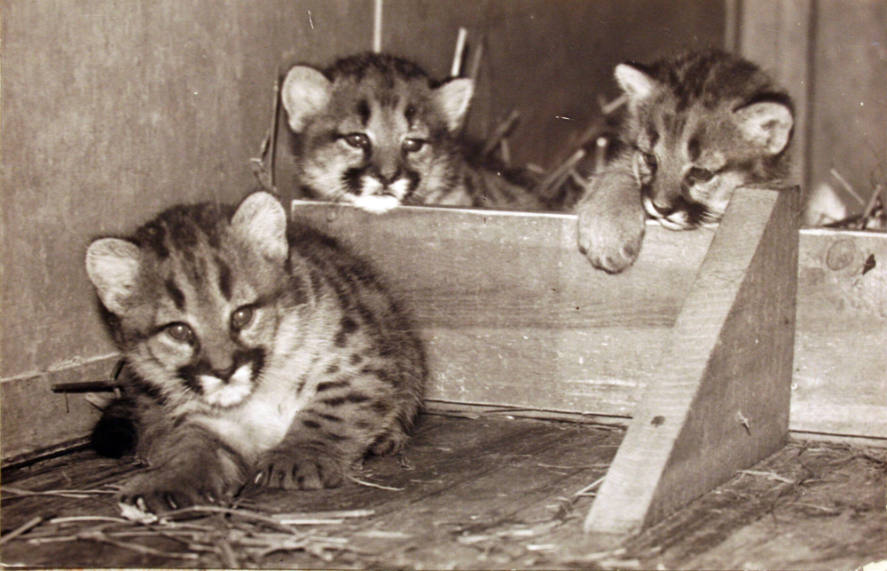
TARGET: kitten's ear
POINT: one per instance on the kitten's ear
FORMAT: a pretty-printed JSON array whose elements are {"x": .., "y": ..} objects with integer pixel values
[
  {"x": 767, "y": 125},
  {"x": 305, "y": 92},
  {"x": 453, "y": 99},
  {"x": 261, "y": 221},
  {"x": 113, "y": 265},
  {"x": 635, "y": 82}
]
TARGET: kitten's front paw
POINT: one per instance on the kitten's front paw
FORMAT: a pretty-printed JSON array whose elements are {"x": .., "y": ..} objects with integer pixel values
[
  {"x": 158, "y": 491},
  {"x": 298, "y": 468},
  {"x": 610, "y": 237}
]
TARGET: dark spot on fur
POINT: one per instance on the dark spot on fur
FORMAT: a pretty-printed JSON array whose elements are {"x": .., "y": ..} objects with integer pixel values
[
  {"x": 355, "y": 359},
  {"x": 310, "y": 423},
  {"x": 224, "y": 278},
  {"x": 363, "y": 111},
  {"x": 380, "y": 407},
  {"x": 658, "y": 420},
  {"x": 178, "y": 298},
  {"x": 693, "y": 148},
  {"x": 349, "y": 325},
  {"x": 410, "y": 114},
  {"x": 327, "y": 385},
  {"x": 356, "y": 397}
]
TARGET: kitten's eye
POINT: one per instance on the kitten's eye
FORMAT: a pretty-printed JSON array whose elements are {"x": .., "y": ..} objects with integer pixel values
[
  {"x": 358, "y": 140},
  {"x": 413, "y": 145},
  {"x": 697, "y": 174},
  {"x": 649, "y": 160},
  {"x": 181, "y": 332},
  {"x": 242, "y": 317}
]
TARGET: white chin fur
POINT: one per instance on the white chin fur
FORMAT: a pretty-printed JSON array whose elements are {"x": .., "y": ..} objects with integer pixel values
[
  {"x": 376, "y": 204},
  {"x": 675, "y": 221},
  {"x": 218, "y": 393}
]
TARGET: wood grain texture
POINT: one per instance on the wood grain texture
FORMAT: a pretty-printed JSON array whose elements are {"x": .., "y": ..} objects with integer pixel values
[
  {"x": 721, "y": 401},
  {"x": 486, "y": 493},
  {"x": 840, "y": 375},
  {"x": 512, "y": 313},
  {"x": 777, "y": 35},
  {"x": 114, "y": 110},
  {"x": 849, "y": 96},
  {"x": 34, "y": 418}
]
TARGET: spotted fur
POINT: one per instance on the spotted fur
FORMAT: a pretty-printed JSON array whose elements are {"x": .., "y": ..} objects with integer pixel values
[
  {"x": 256, "y": 353},
  {"x": 698, "y": 126},
  {"x": 376, "y": 131}
]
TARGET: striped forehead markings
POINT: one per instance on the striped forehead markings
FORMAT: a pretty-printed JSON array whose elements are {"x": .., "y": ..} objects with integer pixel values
[
  {"x": 363, "y": 111},
  {"x": 224, "y": 278},
  {"x": 175, "y": 293}
]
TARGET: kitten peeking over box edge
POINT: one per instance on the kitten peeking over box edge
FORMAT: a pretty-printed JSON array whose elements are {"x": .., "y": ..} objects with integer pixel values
[{"x": 698, "y": 126}]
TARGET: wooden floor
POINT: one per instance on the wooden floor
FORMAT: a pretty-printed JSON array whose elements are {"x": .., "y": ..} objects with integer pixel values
[{"x": 487, "y": 492}]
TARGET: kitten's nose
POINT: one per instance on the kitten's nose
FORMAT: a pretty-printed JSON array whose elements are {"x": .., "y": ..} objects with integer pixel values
[
  {"x": 663, "y": 208},
  {"x": 388, "y": 175}
]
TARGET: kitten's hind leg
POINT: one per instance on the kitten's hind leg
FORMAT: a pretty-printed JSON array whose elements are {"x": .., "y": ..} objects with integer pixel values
[{"x": 611, "y": 218}]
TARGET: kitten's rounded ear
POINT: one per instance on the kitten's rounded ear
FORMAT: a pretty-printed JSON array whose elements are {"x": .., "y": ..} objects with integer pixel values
[
  {"x": 305, "y": 92},
  {"x": 767, "y": 125},
  {"x": 635, "y": 82},
  {"x": 113, "y": 265},
  {"x": 453, "y": 99},
  {"x": 261, "y": 221}
]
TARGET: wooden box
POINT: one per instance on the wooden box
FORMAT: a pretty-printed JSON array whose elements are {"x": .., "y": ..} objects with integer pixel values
[{"x": 694, "y": 342}]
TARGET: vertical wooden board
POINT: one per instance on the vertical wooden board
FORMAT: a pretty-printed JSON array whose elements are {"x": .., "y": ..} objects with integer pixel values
[
  {"x": 840, "y": 375},
  {"x": 777, "y": 35},
  {"x": 114, "y": 110},
  {"x": 848, "y": 131},
  {"x": 722, "y": 401},
  {"x": 512, "y": 313}
]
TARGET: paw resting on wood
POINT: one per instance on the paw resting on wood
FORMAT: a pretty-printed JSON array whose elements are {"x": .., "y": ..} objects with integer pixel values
[{"x": 610, "y": 229}]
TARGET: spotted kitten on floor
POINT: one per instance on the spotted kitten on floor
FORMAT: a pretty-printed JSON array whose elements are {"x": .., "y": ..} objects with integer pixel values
[
  {"x": 698, "y": 126},
  {"x": 258, "y": 353},
  {"x": 376, "y": 131}
]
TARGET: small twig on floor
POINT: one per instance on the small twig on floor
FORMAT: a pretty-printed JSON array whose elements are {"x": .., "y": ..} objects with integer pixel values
[
  {"x": 24, "y": 528},
  {"x": 74, "y": 494},
  {"x": 82, "y": 518},
  {"x": 374, "y": 485},
  {"x": 768, "y": 475},
  {"x": 227, "y": 555},
  {"x": 136, "y": 547},
  {"x": 324, "y": 515},
  {"x": 586, "y": 491},
  {"x": 240, "y": 513}
]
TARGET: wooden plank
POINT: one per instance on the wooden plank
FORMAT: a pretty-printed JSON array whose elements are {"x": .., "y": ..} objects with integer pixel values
[
  {"x": 512, "y": 313},
  {"x": 776, "y": 34},
  {"x": 840, "y": 376},
  {"x": 514, "y": 316},
  {"x": 34, "y": 418},
  {"x": 722, "y": 400},
  {"x": 847, "y": 128}
]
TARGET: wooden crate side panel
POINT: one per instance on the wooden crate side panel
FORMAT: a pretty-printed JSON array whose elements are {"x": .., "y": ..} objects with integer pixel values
[
  {"x": 512, "y": 313},
  {"x": 33, "y": 418},
  {"x": 840, "y": 374},
  {"x": 722, "y": 399}
]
